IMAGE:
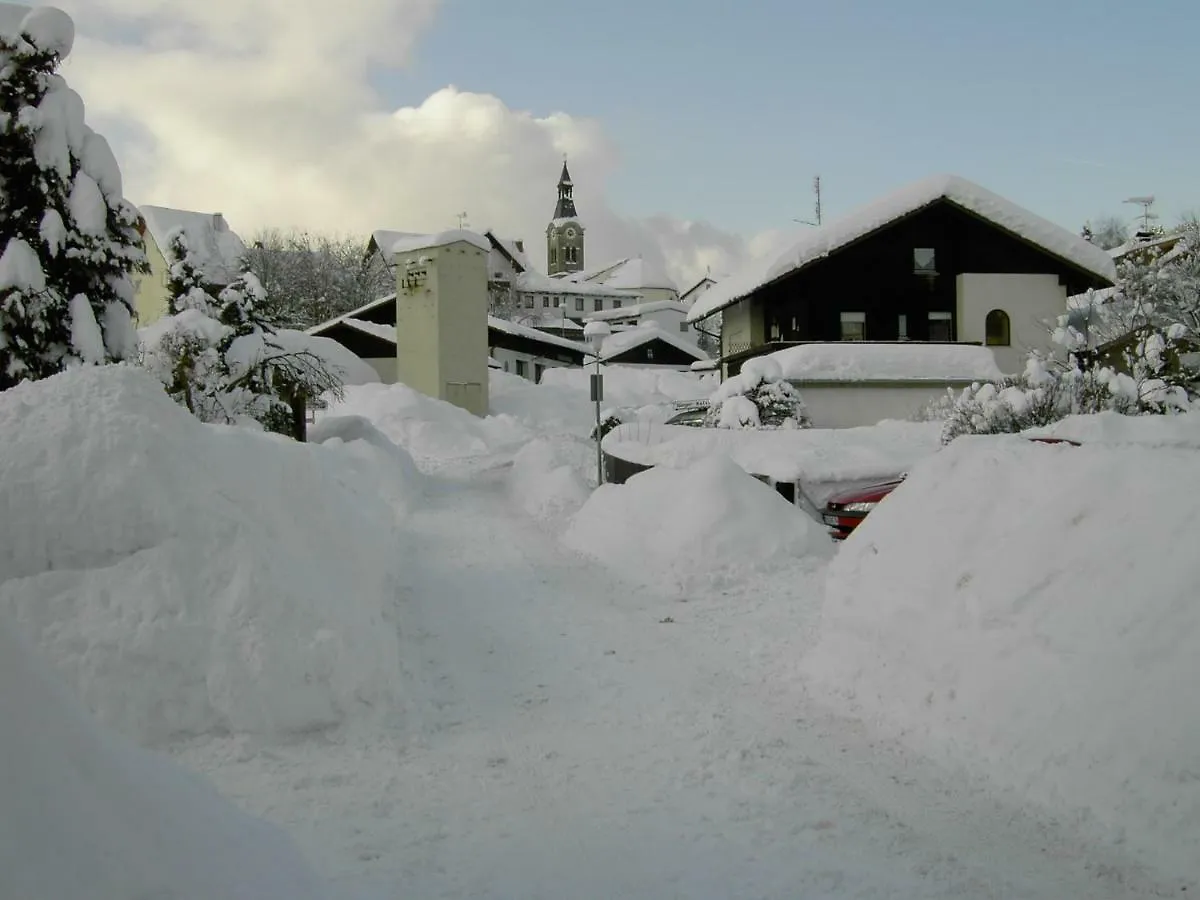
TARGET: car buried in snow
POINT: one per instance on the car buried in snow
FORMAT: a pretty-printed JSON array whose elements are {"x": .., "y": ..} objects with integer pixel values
[{"x": 845, "y": 511}]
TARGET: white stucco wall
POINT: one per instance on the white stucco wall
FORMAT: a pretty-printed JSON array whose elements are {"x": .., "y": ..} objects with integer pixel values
[
  {"x": 651, "y": 294},
  {"x": 851, "y": 404},
  {"x": 386, "y": 368},
  {"x": 1033, "y": 303},
  {"x": 508, "y": 362}
]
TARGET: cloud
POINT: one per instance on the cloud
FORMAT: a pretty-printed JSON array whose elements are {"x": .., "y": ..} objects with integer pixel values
[{"x": 264, "y": 110}]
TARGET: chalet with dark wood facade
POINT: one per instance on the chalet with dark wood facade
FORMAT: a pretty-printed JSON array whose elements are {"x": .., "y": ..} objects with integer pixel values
[{"x": 941, "y": 261}]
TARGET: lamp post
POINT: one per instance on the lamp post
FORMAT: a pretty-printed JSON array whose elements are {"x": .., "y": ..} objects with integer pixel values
[{"x": 594, "y": 333}]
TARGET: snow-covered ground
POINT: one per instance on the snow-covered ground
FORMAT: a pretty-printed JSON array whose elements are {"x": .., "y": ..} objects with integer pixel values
[{"x": 492, "y": 681}]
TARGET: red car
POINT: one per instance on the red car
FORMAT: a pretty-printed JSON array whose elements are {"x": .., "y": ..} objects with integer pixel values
[{"x": 844, "y": 511}]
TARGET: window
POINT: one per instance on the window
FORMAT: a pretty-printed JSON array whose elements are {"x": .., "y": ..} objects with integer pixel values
[
  {"x": 538, "y": 369},
  {"x": 854, "y": 326},
  {"x": 902, "y": 327},
  {"x": 683, "y": 327},
  {"x": 521, "y": 367},
  {"x": 553, "y": 256},
  {"x": 578, "y": 304},
  {"x": 649, "y": 353},
  {"x": 924, "y": 261},
  {"x": 598, "y": 304},
  {"x": 616, "y": 304},
  {"x": 556, "y": 299},
  {"x": 546, "y": 302},
  {"x": 997, "y": 329},
  {"x": 529, "y": 301},
  {"x": 940, "y": 327}
]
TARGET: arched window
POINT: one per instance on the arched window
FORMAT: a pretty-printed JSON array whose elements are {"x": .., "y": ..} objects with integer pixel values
[{"x": 997, "y": 331}]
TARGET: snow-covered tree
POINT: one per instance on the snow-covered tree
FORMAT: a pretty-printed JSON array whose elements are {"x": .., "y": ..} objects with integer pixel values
[
  {"x": 69, "y": 238},
  {"x": 1106, "y": 232},
  {"x": 224, "y": 357},
  {"x": 310, "y": 278},
  {"x": 757, "y": 397}
]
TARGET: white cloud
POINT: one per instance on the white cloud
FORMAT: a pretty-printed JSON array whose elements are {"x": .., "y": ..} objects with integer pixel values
[{"x": 263, "y": 110}]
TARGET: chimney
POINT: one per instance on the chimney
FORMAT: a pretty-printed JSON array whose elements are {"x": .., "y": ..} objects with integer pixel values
[
  {"x": 218, "y": 221},
  {"x": 520, "y": 246}
]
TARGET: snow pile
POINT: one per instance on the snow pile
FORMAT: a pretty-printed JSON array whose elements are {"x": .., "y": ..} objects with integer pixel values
[
  {"x": 433, "y": 431},
  {"x": 631, "y": 386},
  {"x": 1030, "y": 611},
  {"x": 547, "y": 479},
  {"x": 191, "y": 579},
  {"x": 709, "y": 524},
  {"x": 887, "y": 362},
  {"x": 1113, "y": 428},
  {"x": 389, "y": 465},
  {"x": 815, "y": 243},
  {"x": 806, "y": 455},
  {"x": 87, "y": 817}
]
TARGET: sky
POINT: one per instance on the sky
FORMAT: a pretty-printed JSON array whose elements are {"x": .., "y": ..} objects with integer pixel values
[{"x": 693, "y": 128}]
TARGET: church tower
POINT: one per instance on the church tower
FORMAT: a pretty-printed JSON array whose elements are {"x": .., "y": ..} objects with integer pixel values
[{"x": 564, "y": 234}]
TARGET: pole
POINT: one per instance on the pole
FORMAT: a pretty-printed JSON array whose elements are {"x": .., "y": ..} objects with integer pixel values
[{"x": 599, "y": 435}]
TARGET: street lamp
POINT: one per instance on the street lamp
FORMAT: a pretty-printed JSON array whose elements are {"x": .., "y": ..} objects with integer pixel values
[{"x": 594, "y": 333}]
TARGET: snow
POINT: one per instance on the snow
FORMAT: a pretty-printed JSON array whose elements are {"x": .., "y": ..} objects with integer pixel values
[
  {"x": 97, "y": 159},
  {"x": 816, "y": 455},
  {"x": 635, "y": 274},
  {"x": 411, "y": 242},
  {"x": 88, "y": 207},
  {"x": 620, "y": 342},
  {"x": 252, "y": 347},
  {"x": 48, "y": 28},
  {"x": 851, "y": 361},
  {"x": 530, "y": 282},
  {"x": 709, "y": 524},
  {"x": 20, "y": 268},
  {"x": 547, "y": 479},
  {"x": 188, "y": 579},
  {"x": 90, "y": 817},
  {"x": 815, "y": 243},
  {"x": 53, "y": 231},
  {"x": 1113, "y": 428},
  {"x": 533, "y": 334},
  {"x": 217, "y": 251},
  {"x": 638, "y": 310},
  {"x": 87, "y": 341},
  {"x": 1005, "y": 610}
]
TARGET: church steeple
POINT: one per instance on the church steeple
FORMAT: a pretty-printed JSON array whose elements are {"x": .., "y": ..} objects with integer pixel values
[
  {"x": 565, "y": 208},
  {"x": 564, "y": 234}
]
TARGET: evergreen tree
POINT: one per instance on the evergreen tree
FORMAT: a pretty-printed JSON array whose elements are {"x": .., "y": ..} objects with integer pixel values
[
  {"x": 757, "y": 397},
  {"x": 69, "y": 239}
]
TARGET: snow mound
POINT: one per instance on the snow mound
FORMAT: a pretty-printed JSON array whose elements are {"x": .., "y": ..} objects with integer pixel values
[
  {"x": 709, "y": 523},
  {"x": 380, "y": 455},
  {"x": 433, "y": 431},
  {"x": 87, "y": 817},
  {"x": 632, "y": 386},
  {"x": 187, "y": 578},
  {"x": 547, "y": 478},
  {"x": 1030, "y": 611},
  {"x": 1113, "y": 428}
]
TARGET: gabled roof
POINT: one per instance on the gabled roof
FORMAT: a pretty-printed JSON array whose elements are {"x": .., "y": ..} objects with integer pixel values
[
  {"x": 704, "y": 281},
  {"x": 532, "y": 281},
  {"x": 388, "y": 243},
  {"x": 633, "y": 273},
  {"x": 509, "y": 250},
  {"x": 620, "y": 342},
  {"x": 814, "y": 244},
  {"x": 217, "y": 250},
  {"x": 533, "y": 334}
]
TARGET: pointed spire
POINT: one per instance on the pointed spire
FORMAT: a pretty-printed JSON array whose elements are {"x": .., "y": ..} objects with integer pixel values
[
  {"x": 565, "y": 178},
  {"x": 565, "y": 208}
]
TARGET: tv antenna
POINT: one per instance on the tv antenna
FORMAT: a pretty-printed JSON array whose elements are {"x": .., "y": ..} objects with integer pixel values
[
  {"x": 1146, "y": 215},
  {"x": 462, "y": 221},
  {"x": 817, "y": 206}
]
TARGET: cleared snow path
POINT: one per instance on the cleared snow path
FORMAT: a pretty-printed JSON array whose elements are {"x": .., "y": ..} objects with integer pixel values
[{"x": 560, "y": 740}]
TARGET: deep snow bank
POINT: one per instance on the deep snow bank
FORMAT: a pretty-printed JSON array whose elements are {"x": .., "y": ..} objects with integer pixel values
[
  {"x": 709, "y": 523},
  {"x": 1030, "y": 611},
  {"x": 87, "y": 817},
  {"x": 548, "y": 479},
  {"x": 433, "y": 431},
  {"x": 189, "y": 578}
]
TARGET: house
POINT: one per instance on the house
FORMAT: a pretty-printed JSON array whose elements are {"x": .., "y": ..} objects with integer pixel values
[
  {"x": 370, "y": 333},
  {"x": 632, "y": 275},
  {"x": 940, "y": 261},
  {"x": 650, "y": 345},
  {"x": 669, "y": 315},
  {"x": 692, "y": 294},
  {"x": 216, "y": 248},
  {"x": 542, "y": 299}
]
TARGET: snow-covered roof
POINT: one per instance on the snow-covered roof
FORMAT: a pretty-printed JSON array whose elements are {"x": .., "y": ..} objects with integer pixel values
[
  {"x": 217, "y": 249},
  {"x": 623, "y": 341},
  {"x": 375, "y": 329},
  {"x": 531, "y": 281},
  {"x": 353, "y": 314},
  {"x": 637, "y": 310},
  {"x": 633, "y": 273},
  {"x": 411, "y": 242},
  {"x": 817, "y": 243},
  {"x": 533, "y": 334},
  {"x": 853, "y": 361},
  {"x": 698, "y": 288},
  {"x": 509, "y": 248}
]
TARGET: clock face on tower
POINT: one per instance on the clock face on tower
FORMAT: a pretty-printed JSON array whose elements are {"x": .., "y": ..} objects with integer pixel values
[{"x": 570, "y": 233}]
